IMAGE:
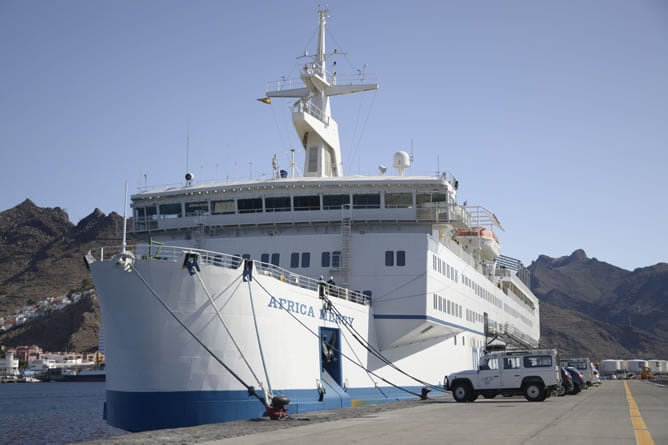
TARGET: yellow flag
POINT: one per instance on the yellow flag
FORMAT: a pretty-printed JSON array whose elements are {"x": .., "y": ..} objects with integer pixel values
[{"x": 265, "y": 100}]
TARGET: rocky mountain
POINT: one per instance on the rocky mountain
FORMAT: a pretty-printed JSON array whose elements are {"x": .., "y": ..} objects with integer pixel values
[
  {"x": 41, "y": 256},
  {"x": 588, "y": 307}
]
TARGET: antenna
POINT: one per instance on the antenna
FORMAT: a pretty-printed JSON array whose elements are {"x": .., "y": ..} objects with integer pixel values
[
  {"x": 125, "y": 219},
  {"x": 188, "y": 146}
]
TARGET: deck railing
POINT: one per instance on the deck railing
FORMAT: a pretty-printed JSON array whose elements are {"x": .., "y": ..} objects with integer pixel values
[{"x": 159, "y": 252}]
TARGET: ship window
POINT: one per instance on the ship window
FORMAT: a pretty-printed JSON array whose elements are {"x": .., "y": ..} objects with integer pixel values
[
  {"x": 313, "y": 159},
  {"x": 222, "y": 207},
  {"x": 401, "y": 257},
  {"x": 398, "y": 200},
  {"x": 325, "y": 262},
  {"x": 170, "y": 210},
  {"x": 270, "y": 259},
  {"x": 389, "y": 258},
  {"x": 249, "y": 205},
  {"x": 278, "y": 204},
  {"x": 366, "y": 201},
  {"x": 430, "y": 200},
  {"x": 197, "y": 208},
  {"x": 334, "y": 202},
  {"x": 295, "y": 259},
  {"x": 307, "y": 202},
  {"x": 144, "y": 216},
  {"x": 336, "y": 258}
]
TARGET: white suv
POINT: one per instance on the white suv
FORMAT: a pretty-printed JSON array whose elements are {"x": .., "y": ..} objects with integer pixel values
[{"x": 535, "y": 374}]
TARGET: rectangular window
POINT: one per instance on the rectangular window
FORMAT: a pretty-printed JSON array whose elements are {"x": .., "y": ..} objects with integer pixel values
[
  {"x": 431, "y": 200},
  {"x": 401, "y": 257},
  {"x": 312, "y": 158},
  {"x": 336, "y": 258},
  {"x": 398, "y": 200},
  {"x": 277, "y": 204},
  {"x": 306, "y": 259},
  {"x": 435, "y": 302},
  {"x": 307, "y": 202},
  {"x": 249, "y": 205},
  {"x": 170, "y": 210},
  {"x": 440, "y": 303},
  {"x": 275, "y": 257},
  {"x": 389, "y": 258},
  {"x": 294, "y": 259},
  {"x": 325, "y": 260},
  {"x": 334, "y": 202},
  {"x": 264, "y": 258},
  {"x": 366, "y": 201},
  {"x": 197, "y": 208},
  {"x": 539, "y": 361},
  {"x": 222, "y": 207}
]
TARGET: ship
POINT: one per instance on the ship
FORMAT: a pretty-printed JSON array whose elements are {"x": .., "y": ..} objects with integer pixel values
[{"x": 287, "y": 294}]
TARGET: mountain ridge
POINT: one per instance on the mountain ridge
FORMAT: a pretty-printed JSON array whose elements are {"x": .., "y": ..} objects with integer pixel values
[{"x": 588, "y": 307}]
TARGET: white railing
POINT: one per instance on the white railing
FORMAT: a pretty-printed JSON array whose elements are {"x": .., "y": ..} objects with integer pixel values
[{"x": 155, "y": 252}]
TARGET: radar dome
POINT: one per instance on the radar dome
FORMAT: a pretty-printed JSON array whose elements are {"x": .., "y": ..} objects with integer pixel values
[{"x": 401, "y": 161}]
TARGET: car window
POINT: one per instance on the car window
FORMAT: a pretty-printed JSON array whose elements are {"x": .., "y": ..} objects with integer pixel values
[{"x": 537, "y": 361}]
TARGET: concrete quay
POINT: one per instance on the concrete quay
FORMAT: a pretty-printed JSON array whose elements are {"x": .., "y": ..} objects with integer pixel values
[{"x": 616, "y": 412}]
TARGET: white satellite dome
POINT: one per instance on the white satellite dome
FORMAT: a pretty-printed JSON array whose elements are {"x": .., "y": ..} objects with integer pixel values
[{"x": 401, "y": 161}]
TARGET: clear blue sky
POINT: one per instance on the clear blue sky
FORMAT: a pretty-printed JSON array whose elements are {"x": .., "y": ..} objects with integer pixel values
[{"x": 552, "y": 114}]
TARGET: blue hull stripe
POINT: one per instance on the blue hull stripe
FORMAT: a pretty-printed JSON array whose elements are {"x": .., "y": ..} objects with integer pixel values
[{"x": 142, "y": 411}]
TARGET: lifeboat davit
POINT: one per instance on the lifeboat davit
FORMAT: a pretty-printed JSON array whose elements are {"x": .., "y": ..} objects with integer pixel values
[{"x": 479, "y": 239}]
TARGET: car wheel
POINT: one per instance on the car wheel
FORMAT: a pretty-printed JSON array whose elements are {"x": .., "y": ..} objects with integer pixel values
[
  {"x": 534, "y": 392},
  {"x": 561, "y": 391},
  {"x": 461, "y": 392}
]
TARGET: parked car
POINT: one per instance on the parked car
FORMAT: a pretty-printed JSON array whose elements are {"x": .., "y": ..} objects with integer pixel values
[
  {"x": 596, "y": 376},
  {"x": 582, "y": 364},
  {"x": 578, "y": 381},
  {"x": 567, "y": 385}
]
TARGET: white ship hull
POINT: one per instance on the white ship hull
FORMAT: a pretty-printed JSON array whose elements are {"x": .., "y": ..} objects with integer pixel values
[{"x": 160, "y": 374}]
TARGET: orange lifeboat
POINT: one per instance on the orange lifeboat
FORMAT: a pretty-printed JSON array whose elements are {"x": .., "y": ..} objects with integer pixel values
[{"x": 479, "y": 239}]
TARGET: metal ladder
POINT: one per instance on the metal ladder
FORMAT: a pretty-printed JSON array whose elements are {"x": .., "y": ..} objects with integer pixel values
[{"x": 346, "y": 227}]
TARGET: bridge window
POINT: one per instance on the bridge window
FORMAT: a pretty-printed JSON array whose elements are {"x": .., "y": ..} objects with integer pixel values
[
  {"x": 366, "y": 201},
  {"x": 197, "y": 208},
  {"x": 431, "y": 200},
  {"x": 278, "y": 204},
  {"x": 334, "y": 202},
  {"x": 307, "y": 202},
  {"x": 250, "y": 205},
  {"x": 170, "y": 210},
  {"x": 222, "y": 207},
  {"x": 398, "y": 200}
]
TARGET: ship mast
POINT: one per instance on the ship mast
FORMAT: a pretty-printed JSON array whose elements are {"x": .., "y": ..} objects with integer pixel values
[{"x": 311, "y": 114}]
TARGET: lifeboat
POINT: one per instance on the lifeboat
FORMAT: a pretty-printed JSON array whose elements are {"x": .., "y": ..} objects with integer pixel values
[{"x": 479, "y": 239}]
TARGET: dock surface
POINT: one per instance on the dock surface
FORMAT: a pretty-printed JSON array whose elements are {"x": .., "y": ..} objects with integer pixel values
[{"x": 616, "y": 412}]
